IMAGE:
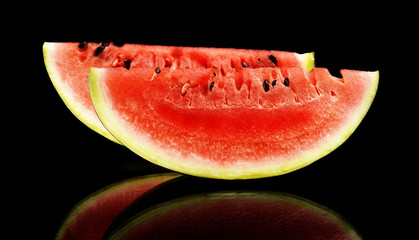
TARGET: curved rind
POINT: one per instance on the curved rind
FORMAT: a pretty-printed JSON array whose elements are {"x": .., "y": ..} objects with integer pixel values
[
  {"x": 147, "y": 151},
  {"x": 89, "y": 120},
  {"x": 94, "y": 197}
]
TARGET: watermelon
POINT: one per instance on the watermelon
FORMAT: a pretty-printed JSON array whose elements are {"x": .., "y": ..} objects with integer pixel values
[
  {"x": 68, "y": 66},
  {"x": 90, "y": 218},
  {"x": 236, "y": 215},
  {"x": 231, "y": 124}
]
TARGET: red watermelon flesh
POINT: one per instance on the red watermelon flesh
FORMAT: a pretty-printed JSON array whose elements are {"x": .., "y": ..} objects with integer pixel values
[
  {"x": 90, "y": 218},
  {"x": 237, "y": 215},
  {"x": 68, "y": 66},
  {"x": 245, "y": 123}
]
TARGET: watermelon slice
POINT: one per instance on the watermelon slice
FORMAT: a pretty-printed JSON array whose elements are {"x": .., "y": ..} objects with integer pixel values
[
  {"x": 232, "y": 124},
  {"x": 68, "y": 66},
  {"x": 236, "y": 215},
  {"x": 90, "y": 218}
]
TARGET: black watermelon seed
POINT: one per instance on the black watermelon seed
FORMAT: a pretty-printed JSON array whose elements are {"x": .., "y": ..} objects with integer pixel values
[
  {"x": 98, "y": 51},
  {"x": 127, "y": 64},
  {"x": 157, "y": 70},
  {"x": 266, "y": 85},
  {"x": 244, "y": 64},
  {"x": 214, "y": 74},
  {"x": 273, "y": 83},
  {"x": 286, "y": 82},
  {"x": 82, "y": 45},
  {"x": 211, "y": 86},
  {"x": 273, "y": 59}
]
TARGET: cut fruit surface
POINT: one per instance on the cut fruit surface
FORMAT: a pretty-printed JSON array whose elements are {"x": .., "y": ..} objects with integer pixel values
[
  {"x": 231, "y": 124},
  {"x": 68, "y": 66},
  {"x": 89, "y": 219}
]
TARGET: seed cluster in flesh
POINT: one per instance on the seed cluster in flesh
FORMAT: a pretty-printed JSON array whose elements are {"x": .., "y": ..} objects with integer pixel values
[
  {"x": 235, "y": 70},
  {"x": 271, "y": 63},
  {"x": 200, "y": 58}
]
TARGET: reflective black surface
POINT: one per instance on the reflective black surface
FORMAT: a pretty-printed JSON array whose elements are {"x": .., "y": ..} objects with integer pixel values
[
  {"x": 174, "y": 194},
  {"x": 192, "y": 208}
]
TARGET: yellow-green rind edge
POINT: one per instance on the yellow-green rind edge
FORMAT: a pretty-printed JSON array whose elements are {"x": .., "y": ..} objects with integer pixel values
[
  {"x": 56, "y": 81},
  {"x": 307, "y": 61}
]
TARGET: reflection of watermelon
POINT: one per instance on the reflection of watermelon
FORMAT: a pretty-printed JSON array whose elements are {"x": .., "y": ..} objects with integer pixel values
[
  {"x": 68, "y": 66},
  {"x": 231, "y": 123},
  {"x": 236, "y": 215},
  {"x": 90, "y": 218}
]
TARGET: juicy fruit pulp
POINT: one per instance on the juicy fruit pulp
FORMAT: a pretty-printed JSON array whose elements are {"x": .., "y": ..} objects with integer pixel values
[
  {"x": 90, "y": 218},
  {"x": 240, "y": 123},
  {"x": 68, "y": 66}
]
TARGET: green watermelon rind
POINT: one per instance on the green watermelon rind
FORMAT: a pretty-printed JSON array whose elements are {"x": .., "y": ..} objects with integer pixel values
[
  {"x": 77, "y": 110},
  {"x": 146, "y": 150},
  {"x": 307, "y": 61}
]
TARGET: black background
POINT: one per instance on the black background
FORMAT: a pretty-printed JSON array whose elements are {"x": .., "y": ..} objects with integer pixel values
[{"x": 62, "y": 161}]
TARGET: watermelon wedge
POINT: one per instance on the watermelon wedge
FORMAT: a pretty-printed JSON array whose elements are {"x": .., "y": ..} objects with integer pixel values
[
  {"x": 232, "y": 124},
  {"x": 68, "y": 66},
  {"x": 90, "y": 218}
]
